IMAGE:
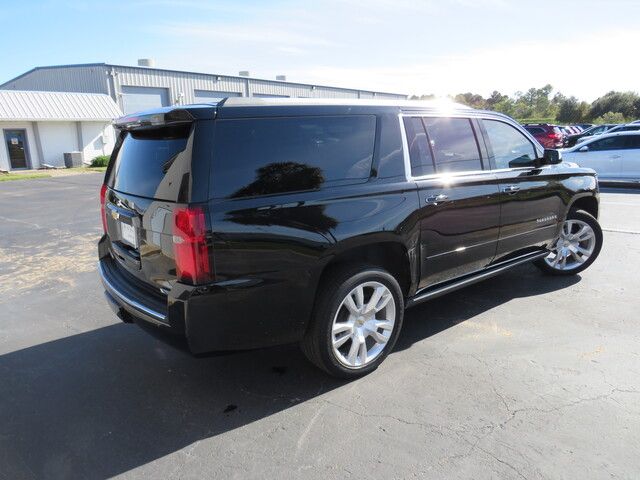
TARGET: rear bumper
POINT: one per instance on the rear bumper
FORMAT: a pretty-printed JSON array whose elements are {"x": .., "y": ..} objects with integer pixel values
[
  {"x": 216, "y": 317},
  {"x": 120, "y": 299}
]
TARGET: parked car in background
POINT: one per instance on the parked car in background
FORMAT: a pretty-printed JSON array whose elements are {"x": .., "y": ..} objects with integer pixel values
[
  {"x": 257, "y": 222},
  {"x": 614, "y": 156},
  {"x": 549, "y": 136},
  {"x": 589, "y": 132},
  {"x": 570, "y": 130},
  {"x": 584, "y": 126},
  {"x": 629, "y": 127}
]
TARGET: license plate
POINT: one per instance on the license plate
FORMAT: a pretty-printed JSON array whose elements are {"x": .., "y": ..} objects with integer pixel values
[{"x": 128, "y": 234}]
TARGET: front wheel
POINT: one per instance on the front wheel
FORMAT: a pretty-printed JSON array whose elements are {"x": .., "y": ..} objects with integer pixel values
[
  {"x": 577, "y": 248},
  {"x": 356, "y": 321}
]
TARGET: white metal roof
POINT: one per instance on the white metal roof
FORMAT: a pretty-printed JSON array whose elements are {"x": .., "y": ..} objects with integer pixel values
[{"x": 56, "y": 106}]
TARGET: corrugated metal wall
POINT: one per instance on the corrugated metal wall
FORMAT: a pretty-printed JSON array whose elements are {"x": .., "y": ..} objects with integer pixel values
[
  {"x": 87, "y": 79},
  {"x": 177, "y": 82},
  {"x": 181, "y": 85}
]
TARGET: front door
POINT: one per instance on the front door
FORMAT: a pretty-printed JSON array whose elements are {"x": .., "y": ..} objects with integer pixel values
[
  {"x": 16, "y": 141},
  {"x": 603, "y": 155},
  {"x": 459, "y": 210},
  {"x": 531, "y": 202}
]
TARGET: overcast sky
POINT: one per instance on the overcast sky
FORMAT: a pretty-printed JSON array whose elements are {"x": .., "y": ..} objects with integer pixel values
[{"x": 583, "y": 48}]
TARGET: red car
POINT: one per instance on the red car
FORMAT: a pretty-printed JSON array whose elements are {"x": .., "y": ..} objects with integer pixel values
[{"x": 549, "y": 136}]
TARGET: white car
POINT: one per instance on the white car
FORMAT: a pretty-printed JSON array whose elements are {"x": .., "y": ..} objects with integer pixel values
[{"x": 614, "y": 156}]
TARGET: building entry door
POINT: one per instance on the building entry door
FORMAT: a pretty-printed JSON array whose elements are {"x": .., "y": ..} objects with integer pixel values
[{"x": 16, "y": 141}]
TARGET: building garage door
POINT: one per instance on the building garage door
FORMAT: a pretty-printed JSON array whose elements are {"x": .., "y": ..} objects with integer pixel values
[
  {"x": 135, "y": 99},
  {"x": 209, "y": 96}
]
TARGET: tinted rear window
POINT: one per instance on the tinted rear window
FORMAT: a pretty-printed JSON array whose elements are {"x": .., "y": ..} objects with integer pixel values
[
  {"x": 261, "y": 156},
  {"x": 153, "y": 163},
  {"x": 453, "y": 143}
]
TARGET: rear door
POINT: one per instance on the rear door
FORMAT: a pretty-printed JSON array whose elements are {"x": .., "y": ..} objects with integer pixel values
[
  {"x": 531, "y": 203},
  {"x": 459, "y": 210},
  {"x": 149, "y": 175},
  {"x": 631, "y": 158}
]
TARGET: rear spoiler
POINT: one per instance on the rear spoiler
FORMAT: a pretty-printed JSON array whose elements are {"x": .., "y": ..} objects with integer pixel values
[
  {"x": 165, "y": 117},
  {"x": 153, "y": 119}
]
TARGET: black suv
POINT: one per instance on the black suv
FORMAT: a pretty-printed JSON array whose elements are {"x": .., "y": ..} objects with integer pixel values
[{"x": 258, "y": 222}]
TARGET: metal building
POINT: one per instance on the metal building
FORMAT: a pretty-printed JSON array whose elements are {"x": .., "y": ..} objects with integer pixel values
[
  {"x": 143, "y": 87},
  {"x": 39, "y": 128}
]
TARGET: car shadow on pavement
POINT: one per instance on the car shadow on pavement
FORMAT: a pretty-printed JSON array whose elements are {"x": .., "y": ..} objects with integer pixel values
[{"x": 101, "y": 403}]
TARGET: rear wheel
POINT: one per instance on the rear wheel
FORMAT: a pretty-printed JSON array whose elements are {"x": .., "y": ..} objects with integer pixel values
[
  {"x": 356, "y": 321},
  {"x": 577, "y": 248}
]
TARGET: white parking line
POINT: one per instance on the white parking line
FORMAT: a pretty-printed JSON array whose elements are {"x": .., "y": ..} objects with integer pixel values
[
  {"x": 617, "y": 230},
  {"x": 620, "y": 203}
]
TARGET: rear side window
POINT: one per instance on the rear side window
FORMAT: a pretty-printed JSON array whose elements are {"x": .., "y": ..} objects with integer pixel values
[
  {"x": 598, "y": 130},
  {"x": 633, "y": 141},
  {"x": 153, "y": 163},
  {"x": 611, "y": 143},
  {"x": 509, "y": 147},
  {"x": 534, "y": 130},
  {"x": 262, "y": 156},
  {"x": 419, "y": 151},
  {"x": 453, "y": 144}
]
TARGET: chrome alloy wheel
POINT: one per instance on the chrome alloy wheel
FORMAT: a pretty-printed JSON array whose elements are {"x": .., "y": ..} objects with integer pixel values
[
  {"x": 574, "y": 247},
  {"x": 363, "y": 324}
]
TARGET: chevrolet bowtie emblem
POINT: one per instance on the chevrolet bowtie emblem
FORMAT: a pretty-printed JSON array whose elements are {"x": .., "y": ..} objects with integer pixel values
[{"x": 114, "y": 214}]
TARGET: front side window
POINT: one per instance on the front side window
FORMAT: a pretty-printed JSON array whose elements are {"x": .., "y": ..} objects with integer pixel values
[
  {"x": 611, "y": 143},
  {"x": 453, "y": 144},
  {"x": 510, "y": 148},
  {"x": 419, "y": 151},
  {"x": 633, "y": 141},
  {"x": 263, "y": 156}
]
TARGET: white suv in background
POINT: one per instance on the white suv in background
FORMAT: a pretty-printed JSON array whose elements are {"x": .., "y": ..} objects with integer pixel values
[{"x": 614, "y": 156}]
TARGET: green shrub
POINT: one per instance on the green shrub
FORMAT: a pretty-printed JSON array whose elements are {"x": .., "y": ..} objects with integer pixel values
[
  {"x": 610, "y": 117},
  {"x": 100, "y": 161}
]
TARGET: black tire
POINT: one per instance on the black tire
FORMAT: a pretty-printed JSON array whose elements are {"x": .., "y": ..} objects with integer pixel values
[
  {"x": 597, "y": 230},
  {"x": 317, "y": 342}
]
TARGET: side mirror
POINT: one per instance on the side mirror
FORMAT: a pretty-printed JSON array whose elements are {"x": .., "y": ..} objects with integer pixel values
[
  {"x": 551, "y": 157},
  {"x": 524, "y": 161},
  {"x": 584, "y": 149}
]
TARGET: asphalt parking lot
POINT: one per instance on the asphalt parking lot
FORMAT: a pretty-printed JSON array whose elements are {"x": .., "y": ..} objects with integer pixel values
[{"x": 522, "y": 376}]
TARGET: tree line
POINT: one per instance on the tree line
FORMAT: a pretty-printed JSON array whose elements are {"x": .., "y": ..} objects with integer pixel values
[{"x": 542, "y": 105}]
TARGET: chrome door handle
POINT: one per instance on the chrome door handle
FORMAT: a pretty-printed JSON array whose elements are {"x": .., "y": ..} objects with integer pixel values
[
  {"x": 436, "y": 199},
  {"x": 616, "y": 156},
  {"x": 511, "y": 189}
]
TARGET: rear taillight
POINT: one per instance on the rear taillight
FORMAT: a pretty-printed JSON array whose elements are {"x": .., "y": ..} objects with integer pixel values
[
  {"x": 554, "y": 135},
  {"x": 103, "y": 206},
  {"x": 190, "y": 245}
]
